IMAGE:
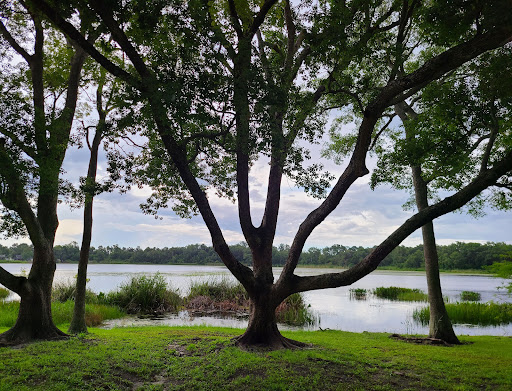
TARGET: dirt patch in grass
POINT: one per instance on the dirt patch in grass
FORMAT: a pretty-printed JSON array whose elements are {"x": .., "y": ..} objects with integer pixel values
[{"x": 195, "y": 347}]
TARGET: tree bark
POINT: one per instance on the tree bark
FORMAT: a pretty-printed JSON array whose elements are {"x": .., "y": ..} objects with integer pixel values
[
  {"x": 262, "y": 331},
  {"x": 440, "y": 326},
  {"x": 35, "y": 316}
]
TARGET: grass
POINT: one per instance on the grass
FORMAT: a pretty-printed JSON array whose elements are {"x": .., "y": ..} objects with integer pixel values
[
  {"x": 470, "y": 296},
  {"x": 482, "y": 314},
  {"x": 179, "y": 358},
  {"x": 95, "y": 314},
  {"x": 4, "y": 293},
  {"x": 400, "y": 294},
  {"x": 144, "y": 294}
]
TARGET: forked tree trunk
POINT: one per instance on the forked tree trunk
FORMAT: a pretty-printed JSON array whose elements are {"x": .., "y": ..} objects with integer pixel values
[
  {"x": 262, "y": 331},
  {"x": 35, "y": 315}
]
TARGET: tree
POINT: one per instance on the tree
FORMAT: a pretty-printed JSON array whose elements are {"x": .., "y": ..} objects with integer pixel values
[
  {"x": 90, "y": 189},
  {"x": 38, "y": 99},
  {"x": 258, "y": 94}
]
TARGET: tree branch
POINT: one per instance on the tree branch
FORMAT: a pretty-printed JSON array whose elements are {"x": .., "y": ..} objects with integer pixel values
[
  {"x": 372, "y": 260},
  {"x": 76, "y": 36}
]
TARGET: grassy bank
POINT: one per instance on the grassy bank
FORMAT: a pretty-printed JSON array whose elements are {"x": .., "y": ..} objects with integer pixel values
[
  {"x": 169, "y": 358},
  {"x": 62, "y": 313}
]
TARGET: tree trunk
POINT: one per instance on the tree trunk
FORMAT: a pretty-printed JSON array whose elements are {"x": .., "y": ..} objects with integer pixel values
[
  {"x": 440, "y": 326},
  {"x": 35, "y": 316},
  {"x": 262, "y": 331}
]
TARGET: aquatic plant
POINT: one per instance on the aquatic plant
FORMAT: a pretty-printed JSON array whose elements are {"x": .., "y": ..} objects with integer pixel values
[
  {"x": 294, "y": 311},
  {"x": 227, "y": 297},
  {"x": 65, "y": 290},
  {"x": 482, "y": 314},
  {"x": 400, "y": 294},
  {"x": 358, "y": 293},
  {"x": 470, "y": 296}
]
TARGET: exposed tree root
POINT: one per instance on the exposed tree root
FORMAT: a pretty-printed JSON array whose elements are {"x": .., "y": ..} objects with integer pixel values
[
  {"x": 274, "y": 342},
  {"x": 15, "y": 337},
  {"x": 421, "y": 340}
]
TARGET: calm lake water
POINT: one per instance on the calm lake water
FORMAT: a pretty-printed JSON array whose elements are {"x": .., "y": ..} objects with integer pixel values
[{"x": 334, "y": 308}]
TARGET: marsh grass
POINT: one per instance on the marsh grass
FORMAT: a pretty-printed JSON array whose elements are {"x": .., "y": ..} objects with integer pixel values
[
  {"x": 400, "y": 294},
  {"x": 481, "y": 314},
  {"x": 470, "y": 296},
  {"x": 358, "y": 293},
  {"x": 144, "y": 294},
  {"x": 294, "y": 311},
  {"x": 65, "y": 290},
  {"x": 226, "y": 297},
  {"x": 4, "y": 293},
  {"x": 95, "y": 314},
  {"x": 219, "y": 291}
]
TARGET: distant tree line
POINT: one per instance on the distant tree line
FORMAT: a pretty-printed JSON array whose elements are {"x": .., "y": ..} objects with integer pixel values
[{"x": 453, "y": 256}]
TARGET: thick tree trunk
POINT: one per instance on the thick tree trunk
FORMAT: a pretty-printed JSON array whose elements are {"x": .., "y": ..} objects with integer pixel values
[
  {"x": 262, "y": 331},
  {"x": 35, "y": 316}
]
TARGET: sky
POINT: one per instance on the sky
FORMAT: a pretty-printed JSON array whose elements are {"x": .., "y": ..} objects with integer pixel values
[{"x": 363, "y": 218}]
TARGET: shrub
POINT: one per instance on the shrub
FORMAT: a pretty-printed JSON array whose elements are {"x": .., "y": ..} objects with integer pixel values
[
  {"x": 400, "y": 294},
  {"x": 4, "y": 293},
  {"x": 482, "y": 314},
  {"x": 470, "y": 296},
  {"x": 145, "y": 294},
  {"x": 65, "y": 290}
]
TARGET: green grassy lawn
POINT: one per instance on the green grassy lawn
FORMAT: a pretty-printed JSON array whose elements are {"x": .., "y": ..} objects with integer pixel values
[{"x": 203, "y": 358}]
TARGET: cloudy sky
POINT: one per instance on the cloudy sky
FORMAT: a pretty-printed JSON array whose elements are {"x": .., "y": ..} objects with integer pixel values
[{"x": 363, "y": 218}]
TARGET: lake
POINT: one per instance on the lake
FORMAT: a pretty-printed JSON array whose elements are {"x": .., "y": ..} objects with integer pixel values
[{"x": 334, "y": 308}]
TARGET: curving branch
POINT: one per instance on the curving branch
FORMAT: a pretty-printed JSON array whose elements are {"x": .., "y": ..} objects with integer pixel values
[
  {"x": 372, "y": 260},
  {"x": 54, "y": 16}
]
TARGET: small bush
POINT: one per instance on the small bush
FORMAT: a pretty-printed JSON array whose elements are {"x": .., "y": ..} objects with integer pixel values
[
  {"x": 145, "y": 294},
  {"x": 482, "y": 314},
  {"x": 400, "y": 294},
  {"x": 65, "y": 290},
  {"x": 470, "y": 296},
  {"x": 4, "y": 293}
]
